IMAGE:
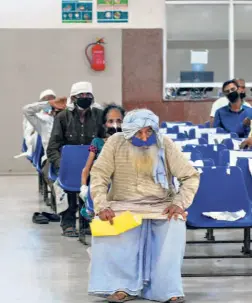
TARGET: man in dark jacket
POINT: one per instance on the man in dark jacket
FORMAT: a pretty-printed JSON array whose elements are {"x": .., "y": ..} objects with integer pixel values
[{"x": 77, "y": 125}]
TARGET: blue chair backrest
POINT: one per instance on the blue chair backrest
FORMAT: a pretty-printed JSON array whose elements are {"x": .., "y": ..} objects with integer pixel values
[
  {"x": 208, "y": 162},
  {"x": 173, "y": 130},
  {"x": 207, "y": 124},
  {"x": 52, "y": 173},
  {"x": 229, "y": 157},
  {"x": 243, "y": 163},
  {"x": 38, "y": 153},
  {"x": 220, "y": 189},
  {"x": 218, "y": 138},
  {"x": 230, "y": 143},
  {"x": 24, "y": 147},
  {"x": 178, "y": 136},
  {"x": 208, "y": 151},
  {"x": 193, "y": 155},
  {"x": 171, "y": 124},
  {"x": 73, "y": 160},
  {"x": 195, "y": 134},
  {"x": 203, "y": 163}
]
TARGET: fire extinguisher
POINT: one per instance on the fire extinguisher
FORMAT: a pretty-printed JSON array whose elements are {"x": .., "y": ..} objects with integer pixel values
[{"x": 97, "y": 58}]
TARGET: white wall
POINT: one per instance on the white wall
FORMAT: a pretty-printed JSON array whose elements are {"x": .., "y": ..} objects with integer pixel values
[
  {"x": 33, "y": 60},
  {"x": 47, "y": 14}
]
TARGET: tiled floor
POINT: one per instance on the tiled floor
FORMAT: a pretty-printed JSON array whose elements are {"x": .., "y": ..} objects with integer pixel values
[{"x": 38, "y": 265}]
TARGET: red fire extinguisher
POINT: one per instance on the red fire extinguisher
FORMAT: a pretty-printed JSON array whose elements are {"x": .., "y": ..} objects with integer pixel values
[{"x": 97, "y": 58}]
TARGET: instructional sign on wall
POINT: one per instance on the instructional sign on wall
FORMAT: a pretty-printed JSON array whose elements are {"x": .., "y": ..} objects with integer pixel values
[
  {"x": 77, "y": 11},
  {"x": 113, "y": 11}
]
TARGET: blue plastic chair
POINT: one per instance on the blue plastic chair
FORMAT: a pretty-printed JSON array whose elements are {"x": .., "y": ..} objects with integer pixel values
[
  {"x": 73, "y": 160},
  {"x": 172, "y": 130},
  {"x": 175, "y": 136},
  {"x": 51, "y": 173},
  {"x": 195, "y": 155},
  {"x": 207, "y": 124},
  {"x": 243, "y": 163},
  {"x": 231, "y": 135},
  {"x": 229, "y": 142},
  {"x": 165, "y": 123},
  {"x": 206, "y": 162},
  {"x": 221, "y": 189},
  {"x": 24, "y": 147},
  {"x": 192, "y": 132},
  {"x": 229, "y": 157},
  {"x": 208, "y": 151},
  {"x": 38, "y": 153}
]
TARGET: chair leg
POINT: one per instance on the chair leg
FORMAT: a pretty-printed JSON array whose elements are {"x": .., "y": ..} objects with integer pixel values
[
  {"x": 246, "y": 248},
  {"x": 40, "y": 183},
  {"x": 45, "y": 194},
  {"x": 210, "y": 235},
  {"x": 53, "y": 202}
]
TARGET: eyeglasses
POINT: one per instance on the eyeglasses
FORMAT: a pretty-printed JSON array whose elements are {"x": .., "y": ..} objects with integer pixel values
[
  {"x": 232, "y": 89},
  {"x": 242, "y": 87}
]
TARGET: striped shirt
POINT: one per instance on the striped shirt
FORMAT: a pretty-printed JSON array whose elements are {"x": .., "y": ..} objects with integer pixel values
[{"x": 138, "y": 193}]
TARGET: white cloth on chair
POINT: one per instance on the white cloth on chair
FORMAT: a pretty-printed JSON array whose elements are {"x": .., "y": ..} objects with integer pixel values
[{"x": 225, "y": 215}]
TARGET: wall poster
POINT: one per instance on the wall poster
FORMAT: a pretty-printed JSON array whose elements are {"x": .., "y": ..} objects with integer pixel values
[
  {"x": 113, "y": 11},
  {"x": 77, "y": 11}
]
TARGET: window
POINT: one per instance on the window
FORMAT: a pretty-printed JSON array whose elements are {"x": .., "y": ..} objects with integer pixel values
[
  {"x": 243, "y": 41},
  {"x": 220, "y": 29}
]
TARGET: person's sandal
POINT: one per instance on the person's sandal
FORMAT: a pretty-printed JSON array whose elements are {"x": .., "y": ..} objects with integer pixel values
[
  {"x": 177, "y": 300},
  {"x": 119, "y": 297},
  {"x": 70, "y": 232}
]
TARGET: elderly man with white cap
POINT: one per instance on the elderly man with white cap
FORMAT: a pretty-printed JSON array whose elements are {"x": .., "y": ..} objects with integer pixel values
[
  {"x": 145, "y": 261},
  {"x": 77, "y": 125},
  {"x": 41, "y": 116},
  {"x": 29, "y": 133}
]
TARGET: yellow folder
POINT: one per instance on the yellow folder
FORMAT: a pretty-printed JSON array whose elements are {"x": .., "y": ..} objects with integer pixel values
[{"x": 122, "y": 223}]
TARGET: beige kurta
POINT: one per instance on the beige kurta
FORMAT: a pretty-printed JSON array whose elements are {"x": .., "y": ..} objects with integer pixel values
[{"x": 135, "y": 192}]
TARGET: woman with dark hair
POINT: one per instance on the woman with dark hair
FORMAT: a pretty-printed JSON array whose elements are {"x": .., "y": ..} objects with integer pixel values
[{"x": 112, "y": 119}]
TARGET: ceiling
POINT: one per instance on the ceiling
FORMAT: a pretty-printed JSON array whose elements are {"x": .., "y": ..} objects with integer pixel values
[{"x": 207, "y": 22}]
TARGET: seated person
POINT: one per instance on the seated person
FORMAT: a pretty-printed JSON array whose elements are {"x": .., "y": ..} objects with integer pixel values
[
  {"x": 29, "y": 133},
  {"x": 41, "y": 116},
  {"x": 223, "y": 101},
  {"x": 235, "y": 117},
  {"x": 145, "y": 261},
  {"x": 76, "y": 126},
  {"x": 112, "y": 119}
]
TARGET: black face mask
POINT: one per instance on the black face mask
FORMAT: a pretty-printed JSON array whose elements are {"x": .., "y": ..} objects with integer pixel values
[
  {"x": 84, "y": 103},
  {"x": 233, "y": 97},
  {"x": 112, "y": 130},
  {"x": 242, "y": 95}
]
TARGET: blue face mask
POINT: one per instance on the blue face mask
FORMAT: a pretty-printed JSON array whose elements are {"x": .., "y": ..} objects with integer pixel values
[{"x": 140, "y": 143}]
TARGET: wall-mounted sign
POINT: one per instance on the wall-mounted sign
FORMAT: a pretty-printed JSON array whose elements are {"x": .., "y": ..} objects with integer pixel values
[
  {"x": 77, "y": 11},
  {"x": 112, "y": 11}
]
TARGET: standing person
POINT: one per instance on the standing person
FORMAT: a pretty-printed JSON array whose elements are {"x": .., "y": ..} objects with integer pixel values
[
  {"x": 41, "y": 116},
  {"x": 234, "y": 117},
  {"x": 145, "y": 261},
  {"x": 223, "y": 101},
  {"x": 112, "y": 120},
  {"x": 76, "y": 126}
]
